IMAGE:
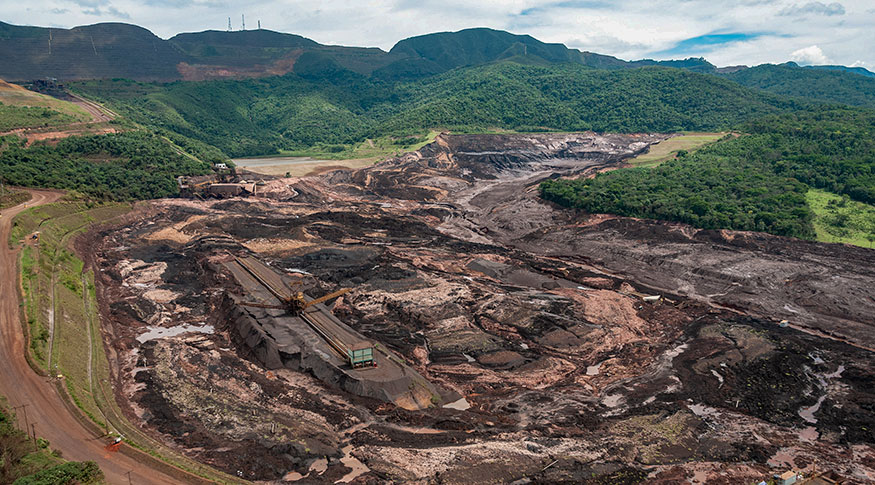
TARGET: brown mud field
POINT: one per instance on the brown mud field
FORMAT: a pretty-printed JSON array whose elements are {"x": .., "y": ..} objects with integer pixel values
[{"x": 586, "y": 349}]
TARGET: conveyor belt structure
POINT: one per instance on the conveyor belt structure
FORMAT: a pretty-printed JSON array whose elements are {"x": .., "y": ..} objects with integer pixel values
[{"x": 359, "y": 353}]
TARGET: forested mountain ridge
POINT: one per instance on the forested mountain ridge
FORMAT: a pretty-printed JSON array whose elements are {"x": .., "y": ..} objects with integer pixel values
[
  {"x": 825, "y": 83},
  {"x": 117, "y": 50},
  {"x": 94, "y": 51},
  {"x": 259, "y": 116}
]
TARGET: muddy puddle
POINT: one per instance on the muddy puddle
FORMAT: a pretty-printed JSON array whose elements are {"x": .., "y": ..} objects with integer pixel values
[
  {"x": 461, "y": 405},
  {"x": 153, "y": 333}
]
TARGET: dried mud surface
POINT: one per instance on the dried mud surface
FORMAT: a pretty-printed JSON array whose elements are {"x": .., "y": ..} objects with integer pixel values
[{"x": 534, "y": 314}]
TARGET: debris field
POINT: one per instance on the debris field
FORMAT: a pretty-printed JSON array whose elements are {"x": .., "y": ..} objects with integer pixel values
[{"x": 557, "y": 347}]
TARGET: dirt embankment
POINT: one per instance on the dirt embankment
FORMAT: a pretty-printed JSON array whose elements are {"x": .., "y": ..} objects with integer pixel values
[
  {"x": 21, "y": 386},
  {"x": 534, "y": 315}
]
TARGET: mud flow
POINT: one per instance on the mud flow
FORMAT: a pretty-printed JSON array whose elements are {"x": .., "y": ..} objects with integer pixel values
[{"x": 529, "y": 343}]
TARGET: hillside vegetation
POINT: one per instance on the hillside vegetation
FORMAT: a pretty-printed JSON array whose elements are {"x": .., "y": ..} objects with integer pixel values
[
  {"x": 828, "y": 85},
  {"x": 11, "y": 198},
  {"x": 673, "y": 147},
  {"x": 120, "y": 166},
  {"x": 839, "y": 219},
  {"x": 756, "y": 182},
  {"x": 14, "y": 117},
  {"x": 261, "y": 116},
  {"x": 117, "y": 50},
  {"x": 14, "y": 95},
  {"x": 20, "y": 108},
  {"x": 30, "y": 461}
]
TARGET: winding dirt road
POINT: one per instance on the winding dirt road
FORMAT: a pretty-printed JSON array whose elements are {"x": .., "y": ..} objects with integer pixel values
[{"x": 21, "y": 385}]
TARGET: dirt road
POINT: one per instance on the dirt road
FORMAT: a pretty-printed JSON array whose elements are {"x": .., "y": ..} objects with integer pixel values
[
  {"x": 21, "y": 385},
  {"x": 98, "y": 114}
]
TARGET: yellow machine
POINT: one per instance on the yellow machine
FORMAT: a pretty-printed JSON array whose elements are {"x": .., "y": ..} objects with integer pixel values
[
  {"x": 295, "y": 303},
  {"x": 359, "y": 353}
]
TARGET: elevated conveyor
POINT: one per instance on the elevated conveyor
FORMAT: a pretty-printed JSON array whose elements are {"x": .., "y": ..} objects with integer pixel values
[{"x": 358, "y": 352}]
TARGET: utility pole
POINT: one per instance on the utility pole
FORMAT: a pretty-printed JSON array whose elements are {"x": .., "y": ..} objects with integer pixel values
[
  {"x": 243, "y": 22},
  {"x": 24, "y": 407},
  {"x": 33, "y": 428},
  {"x": 229, "y": 24},
  {"x": 259, "y": 25},
  {"x": 129, "y": 477}
]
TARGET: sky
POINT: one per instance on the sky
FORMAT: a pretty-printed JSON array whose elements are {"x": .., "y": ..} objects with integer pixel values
[{"x": 725, "y": 32}]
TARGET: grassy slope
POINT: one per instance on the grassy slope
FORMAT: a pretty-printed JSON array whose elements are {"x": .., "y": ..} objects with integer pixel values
[
  {"x": 668, "y": 149},
  {"x": 14, "y": 95},
  {"x": 15, "y": 117},
  {"x": 20, "y": 108},
  {"x": 9, "y": 198},
  {"x": 77, "y": 326},
  {"x": 839, "y": 220},
  {"x": 51, "y": 261}
]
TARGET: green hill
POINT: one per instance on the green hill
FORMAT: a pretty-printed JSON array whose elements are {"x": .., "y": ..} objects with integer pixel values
[
  {"x": 440, "y": 52},
  {"x": 259, "y": 116},
  {"x": 573, "y": 97},
  {"x": 449, "y": 50},
  {"x": 20, "y": 108},
  {"x": 828, "y": 85},
  {"x": 855, "y": 70},
  {"x": 118, "y": 166},
  {"x": 93, "y": 51},
  {"x": 117, "y": 50},
  {"x": 756, "y": 182}
]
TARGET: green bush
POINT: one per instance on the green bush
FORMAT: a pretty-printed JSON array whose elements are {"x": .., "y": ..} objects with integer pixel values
[
  {"x": 66, "y": 473},
  {"x": 144, "y": 166}
]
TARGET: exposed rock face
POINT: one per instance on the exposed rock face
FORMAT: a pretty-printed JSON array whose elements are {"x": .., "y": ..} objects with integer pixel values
[
  {"x": 542, "y": 319},
  {"x": 440, "y": 170}
]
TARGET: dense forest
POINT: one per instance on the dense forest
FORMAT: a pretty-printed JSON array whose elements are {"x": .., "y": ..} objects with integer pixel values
[
  {"x": 260, "y": 116},
  {"x": 120, "y": 166},
  {"x": 827, "y": 85},
  {"x": 757, "y": 181}
]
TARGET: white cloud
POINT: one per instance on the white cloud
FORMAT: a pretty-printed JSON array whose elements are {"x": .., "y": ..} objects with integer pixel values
[
  {"x": 811, "y": 55},
  {"x": 818, "y": 8}
]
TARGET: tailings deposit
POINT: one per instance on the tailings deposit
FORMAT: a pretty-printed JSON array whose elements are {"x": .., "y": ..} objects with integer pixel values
[{"x": 516, "y": 340}]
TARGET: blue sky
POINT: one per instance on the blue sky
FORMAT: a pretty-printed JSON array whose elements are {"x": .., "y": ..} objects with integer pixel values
[
  {"x": 705, "y": 44},
  {"x": 725, "y": 32}
]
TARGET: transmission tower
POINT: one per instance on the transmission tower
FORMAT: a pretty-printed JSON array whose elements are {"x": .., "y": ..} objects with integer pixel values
[{"x": 229, "y": 24}]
